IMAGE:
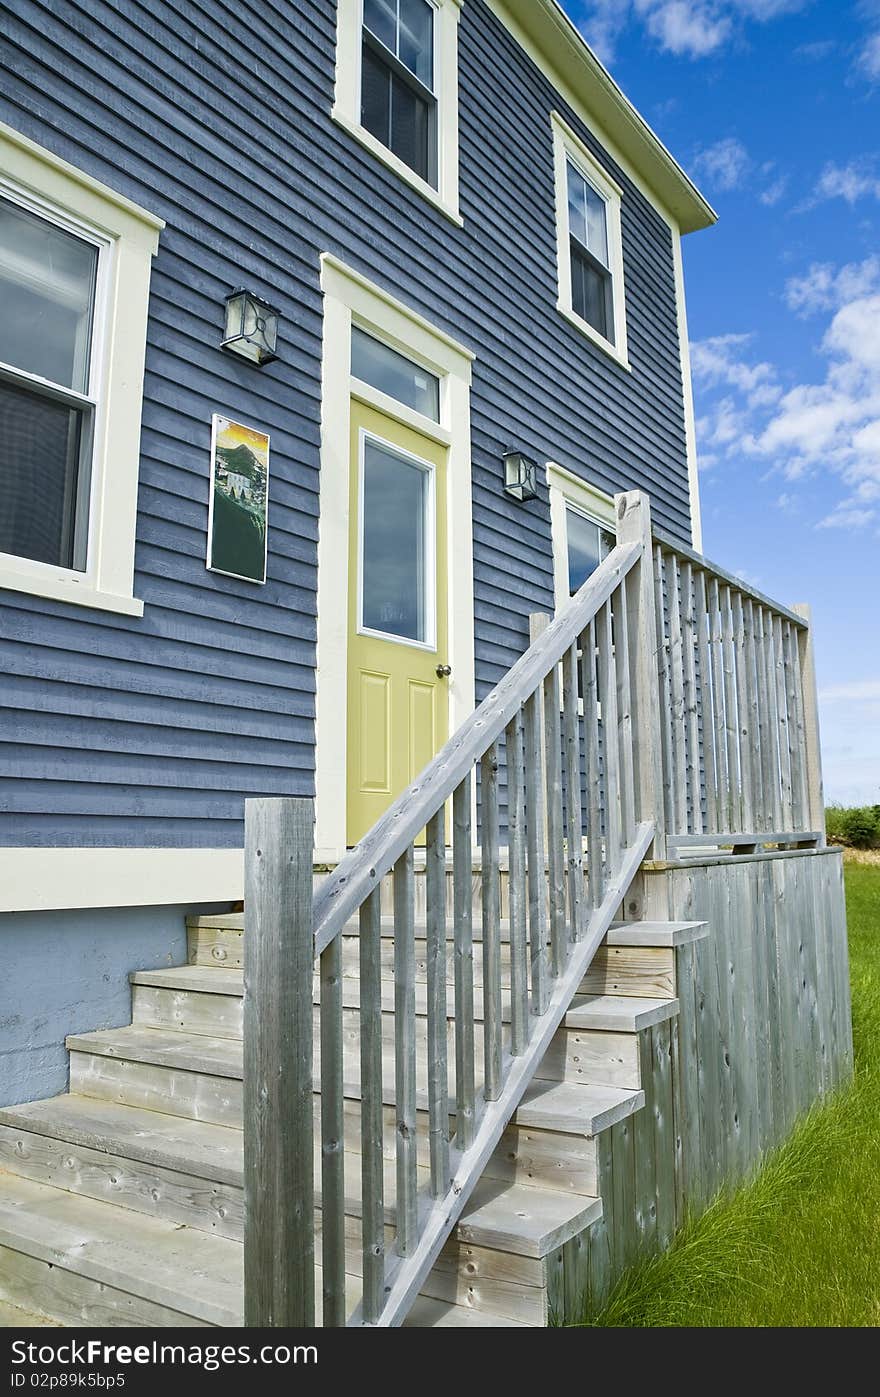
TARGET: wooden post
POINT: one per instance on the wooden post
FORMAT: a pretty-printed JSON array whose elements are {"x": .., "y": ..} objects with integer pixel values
[
  {"x": 815, "y": 793},
  {"x": 279, "y": 1235},
  {"x": 634, "y": 526}
]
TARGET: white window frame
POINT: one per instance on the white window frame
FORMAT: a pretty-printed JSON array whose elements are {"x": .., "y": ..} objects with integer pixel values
[
  {"x": 350, "y": 298},
  {"x": 127, "y": 237},
  {"x": 568, "y": 490},
  {"x": 347, "y": 105},
  {"x": 430, "y": 563},
  {"x": 568, "y": 148}
]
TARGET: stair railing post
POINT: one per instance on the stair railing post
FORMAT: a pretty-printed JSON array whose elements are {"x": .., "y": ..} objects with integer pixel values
[
  {"x": 810, "y": 697},
  {"x": 279, "y": 1241},
  {"x": 634, "y": 526}
]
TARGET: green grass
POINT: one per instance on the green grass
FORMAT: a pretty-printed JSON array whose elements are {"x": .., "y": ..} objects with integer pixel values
[{"x": 800, "y": 1243}]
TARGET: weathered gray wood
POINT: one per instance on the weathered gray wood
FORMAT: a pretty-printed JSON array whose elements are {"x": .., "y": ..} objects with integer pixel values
[
  {"x": 574, "y": 815},
  {"x": 553, "y": 810},
  {"x": 678, "y": 722},
  {"x": 595, "y": 864},
  {"x": 786, "y": 808},
  {"x": 674, "y": 545},
  {"x": 706, "y": 701},
  {"x": 665, "y": 685},
  {"x": 610, "y": 746},
  {"x": 664, "y": 1132},
  {"x": 405, "y": 1049},
  {"x": 372, "y": 1172},
  {"x": 463, "y": 933},
  {"x": 646, "y": 662},
  {"x": 344, "y": 890},
  {"x": 279, "y": 1247},
  {"x": 625, "y": 729},
  {"x": 492, "y": 1036},
  {"x": 764, "y": 808},
  {"x": 435, "y": 950},
  {"x": 731, "y": 719},
  {"x": 718, "y": 694},
  {"x": 745, "y": 839},
  {"x": 332, "y": 1140},
  {"x": 816, "y": 797},
  {"x": 744, "y": 732},
  {"x": 796, "y": 735},
  {"x": 517, "y": 890},
  {"x": 532, "y": 727},
  {"x": 691, "y": 698}
]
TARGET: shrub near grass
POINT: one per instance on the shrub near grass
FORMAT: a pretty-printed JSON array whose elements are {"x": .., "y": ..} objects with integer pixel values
[
  {"x": 800, "y": 1244},
  {"x": 857, "y": 826}
]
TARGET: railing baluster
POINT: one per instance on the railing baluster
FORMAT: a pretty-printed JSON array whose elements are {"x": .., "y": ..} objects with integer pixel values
[
  {"x": 797, "y": 759},
  {"x": 463, "y": 915},
  {"x": 785, "y": 808},
  {"x": 438, "y": 1075},
  {"x": 332, "y": 1139},
  {"x": 555, "y": 855},
  {"x": 537, "y": 874},
  {"x": 707, "y": 702},
  {"x": 773, "y": 712},
  {"x": 677, "y": 710},
  {"x": 665, "y": 680},
  {"x": 768, "y": 753},
  {"x": 372, "y": 1171},
  {"x": 721, "y": 749},
  {"x": 731, "y": 722},
  {"x": 753, "y": 699},
  {"x": 744, "y": 731},
  {"x": 491, "y": 923},
  {"x": 608, "y": 692},
  {"x": 517, "y": 892},
  {"x": 624, "y": 718},
  {"x": 594, "y": 778},
  {"x": 405, "y": 1052},
  {"x": 574, "y": 814},
  {"x": 690, "y": 698}
]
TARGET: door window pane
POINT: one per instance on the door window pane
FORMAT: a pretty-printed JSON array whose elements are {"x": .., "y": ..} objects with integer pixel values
[
  {"x": 47, "y": 292},
  {"x": 396, "y": 499},
  {"x": 587, "y": 546},
  {"x": 392, "y": 373},
  {"x": 43, "y": 494}
]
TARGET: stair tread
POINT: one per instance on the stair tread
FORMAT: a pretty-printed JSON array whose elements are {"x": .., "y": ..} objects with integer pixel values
[
  {"x": 655, "y": 933},
  {"x": 618, "y": 1013},
  {"x": 192, "y": 1272},
  {"x": 570, "y": 1107},
  {"x": 525, "y": 1220}
]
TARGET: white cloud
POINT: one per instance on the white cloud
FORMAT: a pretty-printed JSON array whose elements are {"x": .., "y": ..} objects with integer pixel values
[
  {"x": 826, "y": 288},
  {"x": 830, "y": 426},
  {"x": 861, "y": 689},
  {"x": 849, "y": 182},
  {"x": 774, "y": 192},
  {"x": 723, "y": 164},
  {"x": 869, "y": 58},
  {"x": 686, "y": 28}
]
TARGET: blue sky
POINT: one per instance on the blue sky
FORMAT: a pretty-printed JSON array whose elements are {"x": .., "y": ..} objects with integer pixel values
[{"x": 773, "y": 107}]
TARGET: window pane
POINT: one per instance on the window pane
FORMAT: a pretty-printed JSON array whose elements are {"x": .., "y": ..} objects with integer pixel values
[
  {"x": 577, "y": 205},
  {"x": 416, "y": 39},
  {"x": 585, "y": 553},
  {"x": 376, "y": 96},
  {"x": 40, "y": 449},
  {"x": 410, "y": 126},
  {"x": 591, "y": 293},
  {"x": 394, "y": 374},
  {"x": 47, "y": 291},
  {"x": 394, "y": 527},
  {"x": 380, "y": 17},
  {"x": 597, "y": 231}
]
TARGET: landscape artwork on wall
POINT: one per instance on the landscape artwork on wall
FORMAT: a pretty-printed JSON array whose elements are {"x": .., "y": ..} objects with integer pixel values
[{"x": 237, "y": 513}]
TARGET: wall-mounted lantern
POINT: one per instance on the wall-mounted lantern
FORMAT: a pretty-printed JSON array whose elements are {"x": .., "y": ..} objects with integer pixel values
[
  {"x": 251, "y": 327},
  {"x": 520, "y": 476}
]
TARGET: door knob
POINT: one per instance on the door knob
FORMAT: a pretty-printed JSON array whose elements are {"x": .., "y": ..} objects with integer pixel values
[{"x": 444, "y": 671}]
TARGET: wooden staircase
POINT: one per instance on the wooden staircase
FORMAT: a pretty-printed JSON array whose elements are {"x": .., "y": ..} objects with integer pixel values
[{"x": 122, "y": 1202}]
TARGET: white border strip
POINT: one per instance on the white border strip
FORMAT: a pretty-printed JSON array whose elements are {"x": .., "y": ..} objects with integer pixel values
[{"x": 43, "y": 880}]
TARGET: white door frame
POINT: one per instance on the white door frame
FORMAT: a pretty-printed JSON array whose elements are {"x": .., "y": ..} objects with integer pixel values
[{"x": 349, "y": 296}]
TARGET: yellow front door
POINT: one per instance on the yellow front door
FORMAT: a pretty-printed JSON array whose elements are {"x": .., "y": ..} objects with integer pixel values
[{"x": 398, "y": 704}]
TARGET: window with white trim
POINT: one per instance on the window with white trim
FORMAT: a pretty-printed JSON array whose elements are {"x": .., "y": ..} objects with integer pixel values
[
  {"x": 587, "y": 542},
  {"x": 397, "y": 88},
  {"x": 582, "y": 522},
  {"x": 590, "y": 256},
  {"x": 75, "y": 261}
]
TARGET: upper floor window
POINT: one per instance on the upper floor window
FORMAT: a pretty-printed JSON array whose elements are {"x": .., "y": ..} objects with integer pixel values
[
  {"x": 75, "y": 261},
  {"x": 582, "y": 523},
  {"x": 398, "y": 105},
  {"x": 50, "y": 345},
  {"x": 397, "y": 89},
  {"x": 590, "y": 257},
  {"x": 586, "y": 544},
  {"x": 394, "y": 374}
]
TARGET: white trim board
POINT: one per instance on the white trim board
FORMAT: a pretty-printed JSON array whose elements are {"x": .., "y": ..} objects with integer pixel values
[
  {"x": 349, "y": 296},
  {"x": 564, "y": 488},
  {"x": 44, "y": 880},
  {"x": 690, "y": 425}
]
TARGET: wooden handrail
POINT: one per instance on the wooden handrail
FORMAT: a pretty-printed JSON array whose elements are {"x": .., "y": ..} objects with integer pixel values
[{"x": 671, "y": 545}]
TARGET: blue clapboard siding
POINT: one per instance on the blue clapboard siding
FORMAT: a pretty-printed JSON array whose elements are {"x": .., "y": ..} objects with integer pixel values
[{"x": 217, "y": 117}]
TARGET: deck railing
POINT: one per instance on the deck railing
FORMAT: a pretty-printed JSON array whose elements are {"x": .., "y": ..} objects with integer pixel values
[
  {"x": 737, "y": 691},
  {"x": 558, "y": 913},
  {"x": 667, "y": 704}
]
